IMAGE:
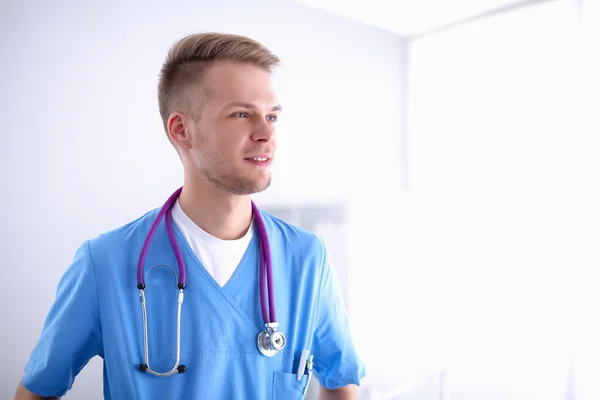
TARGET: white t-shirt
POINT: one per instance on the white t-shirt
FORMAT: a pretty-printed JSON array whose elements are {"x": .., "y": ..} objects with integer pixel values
[{"x": 219, "y": 257}]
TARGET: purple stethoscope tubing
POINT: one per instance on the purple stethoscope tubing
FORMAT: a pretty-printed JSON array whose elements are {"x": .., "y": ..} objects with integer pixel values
[
  {"x": 265, "y": 269},
  {"x": 266, "y": 288}
]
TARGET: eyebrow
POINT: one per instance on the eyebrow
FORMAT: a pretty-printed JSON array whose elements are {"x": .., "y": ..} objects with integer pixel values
[{"x": 250, "y": 106}]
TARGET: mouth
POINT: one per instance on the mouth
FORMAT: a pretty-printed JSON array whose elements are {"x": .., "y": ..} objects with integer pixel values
[{"x": 259, "y": 161}]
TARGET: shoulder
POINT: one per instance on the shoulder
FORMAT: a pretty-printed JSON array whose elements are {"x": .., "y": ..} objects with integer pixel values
[
  {"x": 293, "y": 238},
  {"x": 124, "y": 236}
]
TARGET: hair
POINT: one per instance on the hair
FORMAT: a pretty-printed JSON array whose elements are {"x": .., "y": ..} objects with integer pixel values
[{"x": 189, "y": 58}]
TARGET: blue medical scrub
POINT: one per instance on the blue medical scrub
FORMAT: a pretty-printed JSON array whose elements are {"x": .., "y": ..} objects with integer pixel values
[{"x": 97, "y": 312}]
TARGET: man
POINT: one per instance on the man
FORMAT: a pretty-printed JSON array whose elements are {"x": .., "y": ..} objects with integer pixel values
[{"x": 219, "y": 111}]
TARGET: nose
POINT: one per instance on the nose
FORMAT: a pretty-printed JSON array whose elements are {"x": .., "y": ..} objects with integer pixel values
[{"x": 263, "y": 131}]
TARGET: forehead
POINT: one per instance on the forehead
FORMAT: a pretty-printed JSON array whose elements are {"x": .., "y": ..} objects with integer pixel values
[{"x": 227, "y": 81}]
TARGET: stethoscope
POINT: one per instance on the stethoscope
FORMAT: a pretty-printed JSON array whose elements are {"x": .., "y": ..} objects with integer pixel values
[{"x": 269, "y": 341}]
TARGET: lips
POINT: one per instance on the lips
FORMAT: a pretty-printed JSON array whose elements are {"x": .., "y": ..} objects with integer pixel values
[
  {"x": 260, "y": 157},
  {"x": 262, "y": 160}
]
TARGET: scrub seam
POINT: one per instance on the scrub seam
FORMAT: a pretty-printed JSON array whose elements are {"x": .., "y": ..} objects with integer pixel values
[{"x": 89, "y": 253}]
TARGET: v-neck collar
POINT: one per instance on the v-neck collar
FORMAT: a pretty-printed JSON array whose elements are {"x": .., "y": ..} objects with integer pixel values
[{"x": 245, "y": 263}]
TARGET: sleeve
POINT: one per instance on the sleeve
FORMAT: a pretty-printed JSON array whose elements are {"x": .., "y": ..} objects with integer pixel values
[
  {"x": 336, "y": 362},
  {"x": 71, "y": 334}
]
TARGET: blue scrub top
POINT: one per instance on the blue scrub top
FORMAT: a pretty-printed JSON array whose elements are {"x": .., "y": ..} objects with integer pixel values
[{"x": 97, "y": 312}]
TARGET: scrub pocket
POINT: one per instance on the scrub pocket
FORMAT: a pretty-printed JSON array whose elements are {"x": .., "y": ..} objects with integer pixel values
[{"x": 287, "y": 387}]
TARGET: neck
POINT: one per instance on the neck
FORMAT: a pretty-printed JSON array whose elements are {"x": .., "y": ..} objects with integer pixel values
[{"x": 220, "y": 214}]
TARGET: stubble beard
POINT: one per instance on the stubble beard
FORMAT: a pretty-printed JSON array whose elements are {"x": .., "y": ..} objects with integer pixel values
[{"x": 238, "y": 185}]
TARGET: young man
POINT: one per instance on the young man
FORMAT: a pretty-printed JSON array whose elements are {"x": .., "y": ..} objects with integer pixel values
[{"x": 220, "y": 112}]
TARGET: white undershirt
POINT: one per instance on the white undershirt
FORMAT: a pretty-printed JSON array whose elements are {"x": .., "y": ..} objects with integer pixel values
[{"x": 219, "y": 257}]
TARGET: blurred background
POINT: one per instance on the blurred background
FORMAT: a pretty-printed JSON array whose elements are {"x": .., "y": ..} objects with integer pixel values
[{"x": 447, "y": 152}]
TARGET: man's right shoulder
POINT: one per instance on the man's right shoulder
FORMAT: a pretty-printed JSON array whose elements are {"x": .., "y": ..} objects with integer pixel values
[{"x": 125, "y": 235}]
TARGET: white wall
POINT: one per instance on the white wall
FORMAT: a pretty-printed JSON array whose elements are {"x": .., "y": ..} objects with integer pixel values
[
  {"x": 82, "y": 148},
  {"x": 497, "y": 241}
]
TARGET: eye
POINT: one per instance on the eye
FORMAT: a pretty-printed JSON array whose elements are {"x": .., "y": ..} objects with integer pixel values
[
  {"x": 241, "y": 115},
  {"x": 272, "y": 118}
]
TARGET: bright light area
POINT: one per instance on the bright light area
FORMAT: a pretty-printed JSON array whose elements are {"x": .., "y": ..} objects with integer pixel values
[{"x": 486, "y": 267}]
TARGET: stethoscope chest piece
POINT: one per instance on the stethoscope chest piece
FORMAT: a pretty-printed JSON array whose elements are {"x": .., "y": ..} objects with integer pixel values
[{"x": 269, "y": 341}]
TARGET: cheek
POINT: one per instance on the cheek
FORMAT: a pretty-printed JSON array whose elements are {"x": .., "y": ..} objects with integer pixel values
[
  {"x": 202, "y": 141},
  {"x": 221, "y": 141},
  {"x": 210, "y": 150}
]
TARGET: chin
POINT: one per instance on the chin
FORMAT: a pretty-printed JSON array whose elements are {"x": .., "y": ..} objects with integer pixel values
[
  {"x": 262, "y": 185},
  {"x": 245, "y": 186}
]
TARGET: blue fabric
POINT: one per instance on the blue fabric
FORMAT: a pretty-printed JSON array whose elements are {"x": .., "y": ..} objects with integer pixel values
[{"x": 97, "y": 312}]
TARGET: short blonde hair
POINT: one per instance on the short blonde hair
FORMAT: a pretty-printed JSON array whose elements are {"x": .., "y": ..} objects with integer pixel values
[{"x": 190, "y": 57}]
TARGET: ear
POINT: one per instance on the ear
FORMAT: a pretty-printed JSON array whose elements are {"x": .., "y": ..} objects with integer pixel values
[{"x": 178, "y": 130}]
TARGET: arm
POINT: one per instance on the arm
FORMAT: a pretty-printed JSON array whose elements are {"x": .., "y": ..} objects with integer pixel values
[
  {"x": 62, "y": 351},
  {"x": 337, "y": 365},
  {"x": 24, "y": 394},
  {"x": 349, "y": 392}
]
